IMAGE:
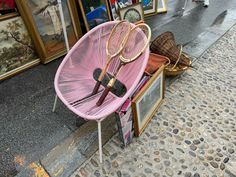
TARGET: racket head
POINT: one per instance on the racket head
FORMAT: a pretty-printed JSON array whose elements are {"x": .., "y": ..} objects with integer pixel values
[
  {"x": 117, "y": 38},
  {"x": 136, "y": 43}
]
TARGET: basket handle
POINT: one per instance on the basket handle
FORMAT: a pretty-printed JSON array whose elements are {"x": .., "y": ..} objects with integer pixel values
[
  {"x": 165, "y": 65},
  {"x": 180, "y": 53}
]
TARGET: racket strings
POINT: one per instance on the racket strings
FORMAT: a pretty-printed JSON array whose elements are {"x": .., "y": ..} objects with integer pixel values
[
  {"x": 136, "y": 42},
  {"x": 116, "y": 42},
  {"x": 113, "y": 67},
  {"x": 118, "y": 38}
]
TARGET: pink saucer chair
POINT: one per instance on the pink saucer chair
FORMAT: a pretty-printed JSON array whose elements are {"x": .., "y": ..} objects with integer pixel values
[{"x": 74, "y": 79}]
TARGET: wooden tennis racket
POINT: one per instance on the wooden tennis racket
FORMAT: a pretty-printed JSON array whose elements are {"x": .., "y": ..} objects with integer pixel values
[
  {"x": 114, "y": 46},
  {"x": 136, "y": 43}
]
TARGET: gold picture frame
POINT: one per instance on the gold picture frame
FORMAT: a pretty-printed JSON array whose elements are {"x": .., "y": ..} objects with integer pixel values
[
  {"x": 161, "y": 6},
  {"x": 93, "y": 21},
  {"x": 43, "y": 22},
  {"x": 148, "y": 100},
  {"x": 132, "y": 13},
  {"x": 17, "y": 51}
]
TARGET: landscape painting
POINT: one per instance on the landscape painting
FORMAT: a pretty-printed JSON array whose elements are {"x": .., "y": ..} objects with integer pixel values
[
  {"x": 47, "y": 19},
  {"x": 16, "y": 48},
  {"x": 44, "y": 22}
]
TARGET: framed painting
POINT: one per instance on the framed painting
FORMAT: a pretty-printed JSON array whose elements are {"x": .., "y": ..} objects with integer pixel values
[
  {"x": 94, "y": 12},
  {"x": 149, "y": 7},
  {"x": 44, "y": 24},
  {"x": 148, "y": 100},
  {"x": 115, "y": 5},
  {"x": 17, "y": 51},
  {"x": 7, "y": 6},
  {"x": 161, "y": 6},
  {"x": 7, "y": 9},
  {"x": 132, "y": 13}
]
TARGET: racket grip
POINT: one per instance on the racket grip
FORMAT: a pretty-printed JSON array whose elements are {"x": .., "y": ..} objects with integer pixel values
[
  {"x": 96, "y": 87},
  {"x": 103, "y": 96}
]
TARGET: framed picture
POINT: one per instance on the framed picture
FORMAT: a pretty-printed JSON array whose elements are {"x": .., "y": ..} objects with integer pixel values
[
  {"x": 44, "y": 24},
  {"x": 7, "y": 9},
  {"x": 115, "y": 5},
  {"x": 17, "y": 51},
  {"x": 94, "y": 12},
  {"x": 132, "y": 13},
  {"x": 145, "y": 104},
  {"x": 161, "y": 6},
  {"x": 149, "y": 7},
  {"x": 7, "y": 6}
]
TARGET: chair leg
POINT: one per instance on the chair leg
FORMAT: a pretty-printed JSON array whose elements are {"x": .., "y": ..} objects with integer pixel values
[
  {"x": 100, "y": 140},
  {"x": 206, "y": 3},
  {"x": 55, "y": 103},
  {"x": 185, "y": 4}
]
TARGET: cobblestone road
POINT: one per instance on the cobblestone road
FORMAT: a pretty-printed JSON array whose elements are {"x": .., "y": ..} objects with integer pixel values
[{"x": 193, "y": 133}]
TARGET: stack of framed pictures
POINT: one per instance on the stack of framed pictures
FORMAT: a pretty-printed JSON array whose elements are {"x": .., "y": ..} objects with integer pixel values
[
  {"x": 147, "y": 101},
  {"x": 138, "y": 110},
  {"x": 44, "y": 24},
  {"x": 17, "y": 51},
  {"x": 134, "y": 12}
]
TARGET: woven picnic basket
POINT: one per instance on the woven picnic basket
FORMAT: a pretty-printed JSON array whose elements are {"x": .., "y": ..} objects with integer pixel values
[{"x": 165, "y": 45}]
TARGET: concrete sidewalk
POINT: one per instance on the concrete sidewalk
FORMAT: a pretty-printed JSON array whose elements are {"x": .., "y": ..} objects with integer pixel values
[{"x": 192, "y": 134}]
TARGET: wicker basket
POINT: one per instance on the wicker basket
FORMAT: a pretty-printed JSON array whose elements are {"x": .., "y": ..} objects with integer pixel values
[
  {"x": 173, "y": 54},
  {"x": 174, "y": 69},
  {"x": 163, "y": 43},
  {"x": 179, "y": 69}
]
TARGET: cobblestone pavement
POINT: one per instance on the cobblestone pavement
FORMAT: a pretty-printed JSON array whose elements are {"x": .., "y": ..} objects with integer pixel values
[{"x": 193, "y": 133}]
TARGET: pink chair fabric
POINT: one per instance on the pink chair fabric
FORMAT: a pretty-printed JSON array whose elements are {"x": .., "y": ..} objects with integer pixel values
[{"x": 74, "y": 78}]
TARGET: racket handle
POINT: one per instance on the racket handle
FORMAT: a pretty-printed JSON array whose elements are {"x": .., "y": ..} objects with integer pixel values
[
  {"x": 96, "y": 87},
  {"x": 103, "y": 96}
]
